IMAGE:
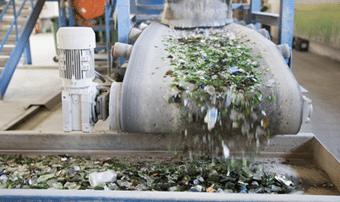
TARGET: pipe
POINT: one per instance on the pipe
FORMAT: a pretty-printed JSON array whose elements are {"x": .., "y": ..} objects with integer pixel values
[
  {"x": 142, "y": 26},
  {"x": 134, "y": 34},
  {"x": 122, "y": 50}
]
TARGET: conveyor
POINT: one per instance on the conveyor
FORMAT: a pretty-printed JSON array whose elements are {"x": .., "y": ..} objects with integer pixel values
[{"x": 143, "y": 122}]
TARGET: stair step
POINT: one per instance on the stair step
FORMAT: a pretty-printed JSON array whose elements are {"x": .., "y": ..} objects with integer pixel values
[
  {"x": 24, "y": 12},
  {"x": 5, "y": 28},
  {"x": 10, "y": 41},
  {"x": 17, "y": 5},
  {"x": 7, "y": 49},
  {"x": 8, "y": 20},
  {"x": 3, "y": 60},
  {"x": 11, "y": 38}
]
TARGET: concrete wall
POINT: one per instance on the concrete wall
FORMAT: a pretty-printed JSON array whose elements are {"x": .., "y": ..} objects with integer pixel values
[
  {"x": 319, "y": 44},
  {"x": 324, "y": 50},
  {"x": 316, "y": 1}
]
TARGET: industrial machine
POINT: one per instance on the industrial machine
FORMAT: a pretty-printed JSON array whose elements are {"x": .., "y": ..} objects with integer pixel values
[
  {"x": 142, "y": 122},
  {"x": 137, "y": 104},
  {"x": 83, "y": 101}
]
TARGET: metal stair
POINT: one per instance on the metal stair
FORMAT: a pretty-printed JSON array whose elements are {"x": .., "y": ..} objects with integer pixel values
[
  {"x": 5, "y": 25},
  {"x": 17, "y": 20}
]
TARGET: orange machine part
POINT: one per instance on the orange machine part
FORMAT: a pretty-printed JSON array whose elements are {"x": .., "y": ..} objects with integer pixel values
[{"x": 89, "y": 9}]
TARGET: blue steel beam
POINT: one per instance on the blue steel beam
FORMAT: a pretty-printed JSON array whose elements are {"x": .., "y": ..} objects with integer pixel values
[
  {"x": 133, "y": 8},
  {"x": 255, "y": 6},
  {"x": 62, "y": 14},
  {"x": 108, "y": 35},
  {"x": 123, "y": 8},
  {"x": 27, "y": 52},
  {"x": 13, "y": 61},
  {"x": 286, "y": 25},
  {"x": 15, "y": 20},
  {"x": 71, "y": 20}
]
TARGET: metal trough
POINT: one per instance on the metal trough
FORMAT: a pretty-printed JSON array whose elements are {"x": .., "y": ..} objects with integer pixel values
[{"x": 302, "y": 154}]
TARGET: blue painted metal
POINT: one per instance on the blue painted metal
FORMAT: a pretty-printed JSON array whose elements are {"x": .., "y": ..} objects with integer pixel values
[
  {"x": 71, "y": 20},
  {"x": 286, "y": 24},
  {"x": 286, "y": 21},
  {"x": 15, "y": 21},
  {"x": 62, "y": 14},
  {"x": 108, "y": 35},
  {"x": 62, "y": 17},
  {"x": 19, "y": 48},
  {"x": 255, "y": 6},
  {"x": 133, "y": 8},
  {"x": 123, "y": 8},
  {"x": 27, "y": 52}
]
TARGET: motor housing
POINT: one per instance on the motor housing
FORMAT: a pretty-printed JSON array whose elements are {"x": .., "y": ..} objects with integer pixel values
[{"x": 76, "y": 64}]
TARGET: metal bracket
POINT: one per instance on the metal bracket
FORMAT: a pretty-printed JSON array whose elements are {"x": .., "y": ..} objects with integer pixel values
[
  {"x": 307, "y": 109},
  {"x": 102, "y": 107}
]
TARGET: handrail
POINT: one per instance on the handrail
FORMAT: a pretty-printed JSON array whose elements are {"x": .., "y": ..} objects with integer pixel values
[
  {"x": 4, "y": 11},
  {"x": 14, "y": 23},
  {"x": 15, "y": 56}
]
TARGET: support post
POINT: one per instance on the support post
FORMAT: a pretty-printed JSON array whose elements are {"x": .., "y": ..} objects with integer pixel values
[
  {"x": 123, "y": 8},
  {"x": 286, "y": 24},
  {"x": 108, "y": 36},
  {"x": 133, "y": 6},
  {"x": 28, "y": 57},
  {"x": 62, "y": 14},
  {"x": 255, "y": 6},
  {"x": 71, "y": 20}
]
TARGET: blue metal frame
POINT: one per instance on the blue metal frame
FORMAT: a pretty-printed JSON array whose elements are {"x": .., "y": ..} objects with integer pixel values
[
  {"x": 108, "y": 34},
  {"x": 133, "y": 8},
  {"x": 62, "y": 14},
  {"x": 255, "y": 6},
  {"x": 13, "y": 61},
  {"x": 285, "y": 21},
  {"x": 286, "y": 25},
  {"x": 71, "y": 20},
  {"x": 123, "y": 8}
]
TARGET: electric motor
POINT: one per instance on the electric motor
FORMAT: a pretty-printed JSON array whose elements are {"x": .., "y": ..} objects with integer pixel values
[{"x": 76, "y": 64}]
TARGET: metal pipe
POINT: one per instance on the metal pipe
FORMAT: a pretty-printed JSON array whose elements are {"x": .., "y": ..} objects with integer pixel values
[
  {"x": 134, "y": 34},
  {"x": 122, "y": 50}
]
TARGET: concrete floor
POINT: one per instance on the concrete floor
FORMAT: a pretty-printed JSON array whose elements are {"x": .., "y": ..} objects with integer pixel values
[{"x": 319, "y": 75}]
